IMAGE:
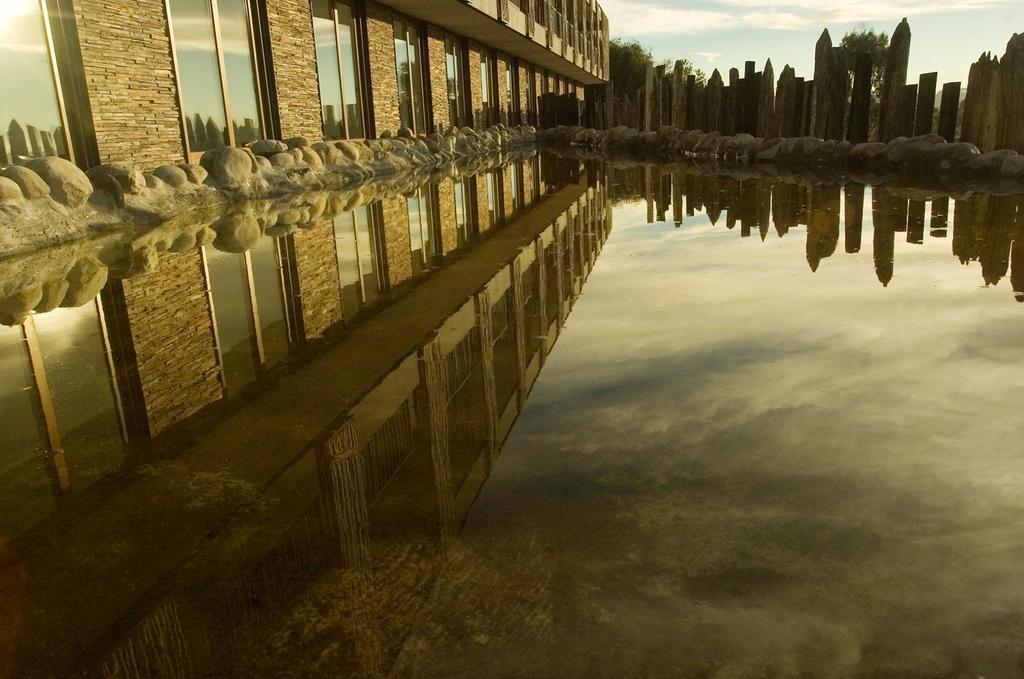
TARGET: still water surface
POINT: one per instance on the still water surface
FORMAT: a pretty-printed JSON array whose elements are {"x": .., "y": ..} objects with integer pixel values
[{"x": 722, "y": 429}]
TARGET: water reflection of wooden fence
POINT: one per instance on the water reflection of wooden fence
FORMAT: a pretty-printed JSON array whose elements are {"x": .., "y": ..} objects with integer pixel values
[
  {"x": 837, "y": 102},
  {"x": 983, "y": 228}
]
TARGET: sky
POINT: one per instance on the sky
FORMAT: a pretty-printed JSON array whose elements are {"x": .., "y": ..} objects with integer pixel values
[{"x": 948, "y": 35}]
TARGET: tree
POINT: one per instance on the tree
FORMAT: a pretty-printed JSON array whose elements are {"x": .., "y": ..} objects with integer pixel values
[
  {"x": 874, "y": 43},
  {"x": 629, "y": 61}
]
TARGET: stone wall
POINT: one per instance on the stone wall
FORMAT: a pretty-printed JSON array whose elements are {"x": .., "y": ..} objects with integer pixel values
[
  {"x": 506, "y": 189},
  {"x": 171, "y": 326},
  {"x": 524, "y": 91},
  {"x": 528, "y": 193},
  {"x": 397, "y": 243},
  {"x": 383, "y": 74},
  {"x": 316, "y": 259},
  {"x": 483, "y": 210},
  {"x": 129, "y": 73},
  {"x": 294, "y": 59},
  {"x": 438, "y": 77}
]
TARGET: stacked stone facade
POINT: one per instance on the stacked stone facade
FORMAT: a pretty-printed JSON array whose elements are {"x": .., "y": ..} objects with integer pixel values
[
  {"x": 383, "y": 76},
  {"x": 446, "y": 212},
  {"x": 294, "y": 58},
  {"x": 316, "y": 261},
  {"x": 170, "y": 319},
  {"x": 129, "y": 77},
  {"x": 438, "y": 78},
  {"x": 475, "y": 83}
]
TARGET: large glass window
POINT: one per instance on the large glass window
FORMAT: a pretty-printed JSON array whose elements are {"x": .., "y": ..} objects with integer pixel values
[
  {"x": 357, "y": 260},
  {"x": 492, "y": 198},
  {"x": 334, "y": 28},
  {"x": 488, "y": 93},
  {"x": 461, "y": 212},
  {"x": 31, "y": 120},
  {"x": 409, "y": 65},
  {"x": 456, "y": 93},
  {"x": 214, "y": 53}
]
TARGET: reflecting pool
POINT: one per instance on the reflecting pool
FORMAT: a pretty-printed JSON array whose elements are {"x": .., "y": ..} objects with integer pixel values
[{"x": 551, "y": 420}]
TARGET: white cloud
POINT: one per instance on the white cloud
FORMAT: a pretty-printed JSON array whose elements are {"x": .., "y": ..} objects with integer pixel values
[
  {"x": 710, "y": 57},
  {"x": 652, "y": 17}
]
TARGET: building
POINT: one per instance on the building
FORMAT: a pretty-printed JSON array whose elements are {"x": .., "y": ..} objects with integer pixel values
[{"x": 157, "y": 81}]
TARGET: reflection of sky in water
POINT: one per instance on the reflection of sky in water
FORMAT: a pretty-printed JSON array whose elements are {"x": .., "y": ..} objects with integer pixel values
[{"x": 734, "y": 467}]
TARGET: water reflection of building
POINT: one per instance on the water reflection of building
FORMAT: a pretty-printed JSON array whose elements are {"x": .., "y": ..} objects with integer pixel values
[
  {"x": 985, "y": 228},
  {"x": 410, "y": 406},
  {"x": 83, "y": 85}
]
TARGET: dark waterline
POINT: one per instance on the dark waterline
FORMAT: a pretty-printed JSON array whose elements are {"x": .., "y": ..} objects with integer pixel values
[{"x": 790, "y": 454}]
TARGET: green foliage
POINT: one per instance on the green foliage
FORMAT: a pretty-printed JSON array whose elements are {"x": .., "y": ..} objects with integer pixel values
[
  {"x": 629, "y": 62},
  {"x": 874, "y": 43}
]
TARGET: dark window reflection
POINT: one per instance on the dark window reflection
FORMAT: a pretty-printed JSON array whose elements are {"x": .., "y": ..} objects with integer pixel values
[
  {"x": 357, "y": 257},
  {"x": 30, "y": 120},
  {"x": 232, "y": 304},
  {"x": 239, "y": 65}
]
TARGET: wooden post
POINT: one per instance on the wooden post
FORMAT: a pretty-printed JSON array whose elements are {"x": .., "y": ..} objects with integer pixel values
[
  {"x": 904, "y": 113},
  {"x": 981, "y": 107},
  {"x": 839, "y": 92},
  {"x": 893, "y": 81},
  {"x": 823, "y": 72},
  {"x": 749, "y": 94},
  {"x": 678, "y": 96},
  {"x": 796, "y": 126},
  {"x": 699, "y": 106},
  {"x": 735, "y": 114},
  {"x": 691, "y": 102},
  {"x": 784, "y": 102},
  {"x": 766, "y": 125},
  {"x": 648, "y": 96},
  {"x": 940, "y": 217},
  {"x": 1011, "y": 96},
  {"x": 924, "y": 119},
  {"x": 728, "y": 110},
  {"x": 860, "y": 100},
  {"x": 808, "y": 109},
  {"x": 948, "y": 110},
  {"x": 915, "y": 222},
  {"x": 713, "y": 103},
  {"x": 656, "y": 97}
]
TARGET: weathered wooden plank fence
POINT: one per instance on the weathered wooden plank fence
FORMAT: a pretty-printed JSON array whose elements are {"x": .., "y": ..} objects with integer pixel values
[{"x": 835, "y": 104}]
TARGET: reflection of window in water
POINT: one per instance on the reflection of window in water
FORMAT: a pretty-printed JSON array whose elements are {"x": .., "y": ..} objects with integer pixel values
[
  {"x": 513, "y": 171},
  {"x": 492, "y": 198},
  {"x": 334, "y": 29},
  {"x": 249, "y": 306},
  {"x": 31, "y": 124},
  {"x": 461, "y": 212},
  {"x": 357, "y": 260},
  {"x": 199, "y": 56},
  {"x": 61, "y": 421},
  {"x": 420, "y": 229},
  {"x": 410, "y": 76}
]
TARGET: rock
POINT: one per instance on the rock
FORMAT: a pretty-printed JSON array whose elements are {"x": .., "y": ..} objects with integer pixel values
[
  {"x": 228, "y": 167},
  {"x": 297, "y": 143},
  {"x": 328, "y": 153},
  {"x": 1013, "y": 166},
  {"x": 310, "y": 157},
  {"x": 405, "y": 133},
  {"x": 131, "y": 180},
  {"x": 263, "y": 163},
  {"x": 32, "y": 185},
  {"x": 85, "y": 280},
  {"x": 267, "y": 147},
  {"x": 237, "y": 232},
  {"x": 173, "y": 176},
  {"x": 348, "y": 149},
  {"x": 22, "y": 301},
  {"x": 9, "y": 190},
  {"x": 989, "y": 164},
  {"x": 296, "y": 154},
  {"x": 68, "y": 184},
  {"x": 195, "y": 173},
  {"x": 282, "y": 160},
  {"x": 386, "y": 134},
  {"x": 53, "y": 295},
  {"x": 154, "y": 182}
]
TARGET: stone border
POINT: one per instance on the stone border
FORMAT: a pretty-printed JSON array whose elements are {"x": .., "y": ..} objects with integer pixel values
[
  {"x": 926, "y": 162},
  {"x": 49, "y": 201}
]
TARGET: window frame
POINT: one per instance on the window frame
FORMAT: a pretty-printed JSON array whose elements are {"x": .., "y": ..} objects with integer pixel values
[{"x": 255, "y": 51}]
